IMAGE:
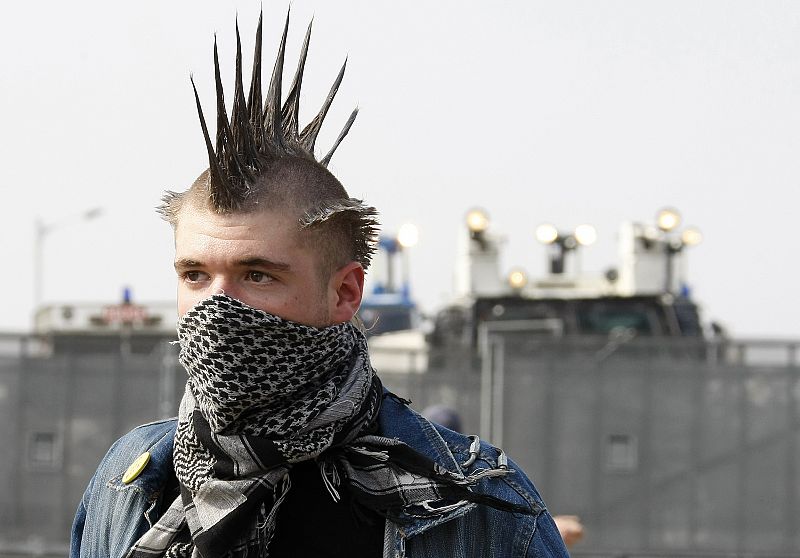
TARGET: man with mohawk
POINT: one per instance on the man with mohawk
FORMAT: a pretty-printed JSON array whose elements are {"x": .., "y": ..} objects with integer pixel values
[{"x": 286, "y": 443}]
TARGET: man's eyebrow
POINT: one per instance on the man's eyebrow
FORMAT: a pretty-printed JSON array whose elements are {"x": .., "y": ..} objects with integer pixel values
[
  {"x": 254, "y": 261},
  {"x": 183, "y": 263}
]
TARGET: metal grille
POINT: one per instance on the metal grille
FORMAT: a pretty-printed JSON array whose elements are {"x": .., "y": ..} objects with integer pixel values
[{"x": 678, "y": 448}]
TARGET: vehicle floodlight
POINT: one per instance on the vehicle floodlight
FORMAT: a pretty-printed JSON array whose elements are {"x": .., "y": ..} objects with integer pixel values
[
  {"x": 546, "y": 234},
  {"x": 692, "y": 237},
  {"x": 586, "y": 235},
  {"x": 408, "y": 235},
  {"x": 517, "y": 279},
  {"x": 650, "y": 233},
  {"x": 668, "y": 219},
  {"x": 477, "y": 221}
]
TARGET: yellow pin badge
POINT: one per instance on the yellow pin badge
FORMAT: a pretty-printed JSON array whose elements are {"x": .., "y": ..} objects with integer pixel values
[{"x": 136, "y": 468}]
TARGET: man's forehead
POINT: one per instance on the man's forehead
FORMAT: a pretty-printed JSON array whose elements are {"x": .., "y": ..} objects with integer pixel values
[
  {"x": 196, "y": 215},
  {"x": 265, "y": 232}
]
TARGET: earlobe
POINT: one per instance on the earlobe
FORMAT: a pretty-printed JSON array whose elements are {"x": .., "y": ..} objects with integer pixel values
[{"x": 348, "y": 286}]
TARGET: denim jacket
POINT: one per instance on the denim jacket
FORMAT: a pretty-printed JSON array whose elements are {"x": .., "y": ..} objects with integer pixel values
[{"x": 113, "y": 515}]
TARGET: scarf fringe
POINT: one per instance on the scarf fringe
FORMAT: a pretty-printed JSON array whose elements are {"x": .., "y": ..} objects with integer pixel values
[
  {"x": 266, "y": 529},
  {"x": 426, "y": 505},
  {"x": 330, "y": 478},
  {"x": 379, "y": 455}
]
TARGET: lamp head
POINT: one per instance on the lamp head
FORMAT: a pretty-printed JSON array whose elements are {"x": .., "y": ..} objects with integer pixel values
[
  {"x": 546, "y": 233},
  {"x": 668, "y": 219},
  {"x": 477, "y": 221},
  {"x": 586, "y": 235},
  {"x": 408, "y": 235}
]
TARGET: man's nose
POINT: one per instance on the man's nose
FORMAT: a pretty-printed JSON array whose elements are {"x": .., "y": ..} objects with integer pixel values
[{"x": 224, "y": 285}]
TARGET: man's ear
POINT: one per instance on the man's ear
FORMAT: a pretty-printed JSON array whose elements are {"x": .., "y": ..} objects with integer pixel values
[{"x": 346, "y": 287}]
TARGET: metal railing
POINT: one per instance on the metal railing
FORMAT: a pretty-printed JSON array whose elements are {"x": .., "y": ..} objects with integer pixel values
[{"x": 709, "y": 425}]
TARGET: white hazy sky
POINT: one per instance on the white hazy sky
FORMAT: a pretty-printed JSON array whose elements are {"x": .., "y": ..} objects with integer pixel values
[{"x": 563, "y": 112}]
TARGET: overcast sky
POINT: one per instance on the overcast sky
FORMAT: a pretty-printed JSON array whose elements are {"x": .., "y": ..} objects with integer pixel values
[{"x": 565, "y": 112}]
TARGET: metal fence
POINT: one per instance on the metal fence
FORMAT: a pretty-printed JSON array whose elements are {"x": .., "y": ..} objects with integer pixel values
[
  {"x": 678, "y": 448},
  {"x": 660, "y": 446}
]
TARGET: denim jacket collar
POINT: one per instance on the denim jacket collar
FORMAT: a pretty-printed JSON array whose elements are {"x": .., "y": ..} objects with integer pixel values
[
  {"x": 157, "y": 472},
  {"x": 398, "y": 421}
]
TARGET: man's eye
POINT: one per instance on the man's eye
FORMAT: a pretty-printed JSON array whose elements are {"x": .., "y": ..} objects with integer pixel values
[
  {"x": 258, "y": 277},
  {"x": 193, "y": 276}
]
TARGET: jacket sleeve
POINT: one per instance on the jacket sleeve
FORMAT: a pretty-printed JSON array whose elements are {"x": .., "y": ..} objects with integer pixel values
[
  {"x": 79, "y": 522},
  {"x": 546, "y": 540}
]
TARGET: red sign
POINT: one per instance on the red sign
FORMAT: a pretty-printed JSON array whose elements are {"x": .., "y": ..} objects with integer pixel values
[{"x": 124, "y": 313}]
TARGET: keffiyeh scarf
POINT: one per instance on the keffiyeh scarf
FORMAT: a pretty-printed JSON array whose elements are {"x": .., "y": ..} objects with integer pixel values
[{"x": 264, "y": 393}]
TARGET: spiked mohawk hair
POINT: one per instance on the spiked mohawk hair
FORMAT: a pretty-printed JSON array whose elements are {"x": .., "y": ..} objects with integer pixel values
[{"x": 261, "y": 136}]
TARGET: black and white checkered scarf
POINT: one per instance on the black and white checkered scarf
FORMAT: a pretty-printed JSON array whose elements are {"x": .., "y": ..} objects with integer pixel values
[{"x": 264, "y": 393}]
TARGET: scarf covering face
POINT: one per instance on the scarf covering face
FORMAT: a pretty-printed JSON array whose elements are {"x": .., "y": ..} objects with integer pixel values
[{"x": 264, "y": 393}]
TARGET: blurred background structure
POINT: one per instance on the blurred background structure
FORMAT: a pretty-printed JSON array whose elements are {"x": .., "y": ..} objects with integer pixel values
[
  {"x": 664, "y": 435},
  {"x": 595, "y": 112},
  {"x": 657, "y": 402}
]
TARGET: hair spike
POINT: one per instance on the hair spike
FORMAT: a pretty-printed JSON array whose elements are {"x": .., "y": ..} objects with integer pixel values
[
  {"x": 260, "y": 130},
  {"x": 255, "y": 108},
  {"x": 222, "y": 115},
  {"x": 327, "y": 158},
  {"x": 308, "y": 137},
  {"x": 229, "y": 193},
  {"x": 214, "y": 168},
  {"x": 242, "y": 136},
  {"x": 272, "y": 111},
  {"x": 291, "y": 108}
]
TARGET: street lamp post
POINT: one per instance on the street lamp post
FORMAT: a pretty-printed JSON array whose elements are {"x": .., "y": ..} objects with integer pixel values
[{"x": 41, "y": 230}]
